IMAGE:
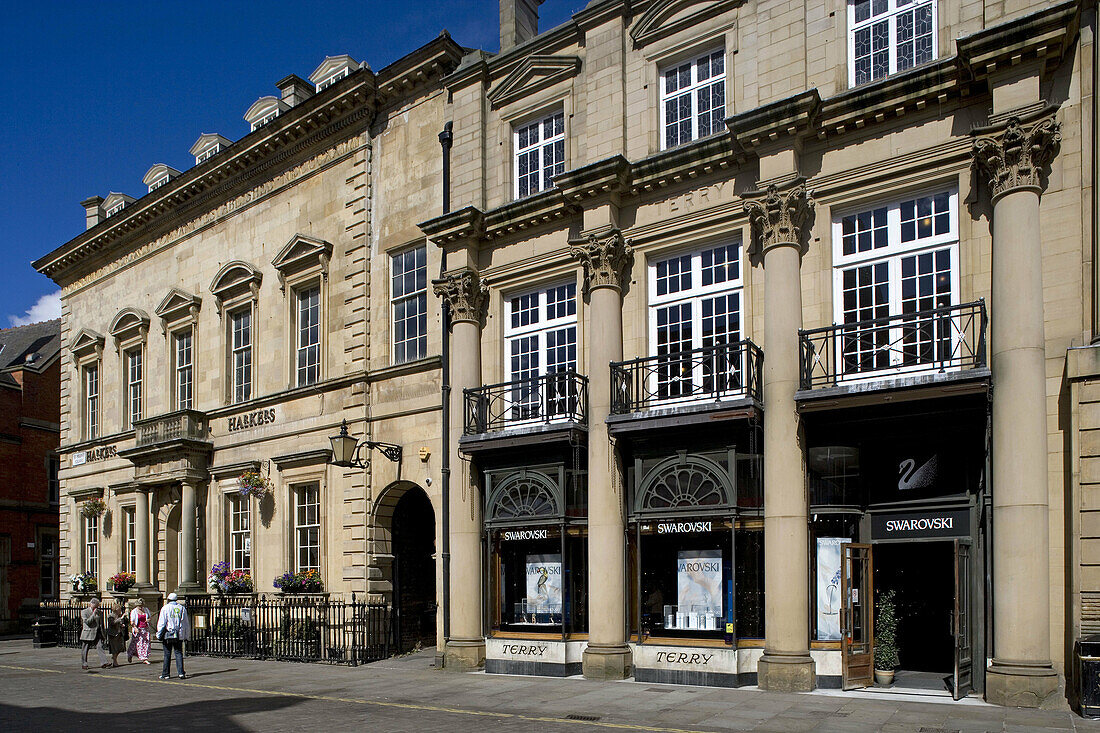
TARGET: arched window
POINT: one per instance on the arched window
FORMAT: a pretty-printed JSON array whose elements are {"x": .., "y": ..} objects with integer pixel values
[
  {"x": 684, "y": 482},
  {"x": 524, "y": 494}
]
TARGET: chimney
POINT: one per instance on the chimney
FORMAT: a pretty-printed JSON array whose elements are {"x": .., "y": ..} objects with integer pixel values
[
  {"x": 519, "y": 22},
  {"x": 94, "y": 209},
  {"x": 295, "y": 90}
]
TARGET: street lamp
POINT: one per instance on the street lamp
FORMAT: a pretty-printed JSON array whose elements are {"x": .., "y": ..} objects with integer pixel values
[{"x": 346, "y": 449}]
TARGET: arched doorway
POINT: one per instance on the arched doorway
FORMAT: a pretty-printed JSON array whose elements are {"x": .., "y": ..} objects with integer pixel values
[{"x": 414, "y": 569}]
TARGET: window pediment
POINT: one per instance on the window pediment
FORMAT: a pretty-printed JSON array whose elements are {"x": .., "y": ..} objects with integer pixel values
[
  {"x": 177, "y": 305},
  {"x": 130, "y": 324},
  {"x": 669, "y": 16},
  {"x": 302, "y": 254},
  {"x": 235, "y": 279},
  {"x": 331, "y": 66},
  {"x": 534, "y": 73},
  {"x": 87, "y": 343},
  {"x": 263, "y": 110}
]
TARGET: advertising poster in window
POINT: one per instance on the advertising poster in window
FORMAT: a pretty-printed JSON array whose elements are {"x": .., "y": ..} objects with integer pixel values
[
  {"x": 544, "y": 588},
  {"x": 698, "y": 589},
  {"x": 828, "y": 587}
]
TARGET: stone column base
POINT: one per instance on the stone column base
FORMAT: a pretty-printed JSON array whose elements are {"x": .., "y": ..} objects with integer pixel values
[
  {"x": 611, "y": 662},
  {"x": 786, "y": 673},
  {"x": 190, "y": 589},
  {"x": 148, "y": 593},
  {"x": 464, "y": 655},
  {"x": 1020, "y": 685}
]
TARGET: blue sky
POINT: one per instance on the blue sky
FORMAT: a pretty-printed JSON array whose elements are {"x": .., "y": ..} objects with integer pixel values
[{"x": 95, "y": 93}]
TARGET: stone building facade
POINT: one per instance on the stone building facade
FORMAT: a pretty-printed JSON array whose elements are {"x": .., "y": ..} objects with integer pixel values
[
  {"x": 232, "y": 319},
  {"x": 752, "y": 313}
]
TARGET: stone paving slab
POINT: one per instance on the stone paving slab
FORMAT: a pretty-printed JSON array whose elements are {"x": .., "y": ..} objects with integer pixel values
[{"x": 46, "y": 690}]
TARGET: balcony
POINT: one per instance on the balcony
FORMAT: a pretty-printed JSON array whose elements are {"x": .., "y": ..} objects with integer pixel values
[
  {"x": 912, "y": 349},
  {"x": 532, "y": 406},
  {"x": 174, "y": 426},
  {"x": 699, "y": 380}
]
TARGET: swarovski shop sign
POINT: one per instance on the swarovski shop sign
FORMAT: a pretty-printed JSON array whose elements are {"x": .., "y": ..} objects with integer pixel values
[{"x": 945, "y": 523}]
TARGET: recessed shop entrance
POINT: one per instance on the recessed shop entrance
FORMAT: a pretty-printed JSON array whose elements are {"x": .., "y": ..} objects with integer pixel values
[
  {"x": 414, "y": 569},
  {"x": 928, "y": 585}
]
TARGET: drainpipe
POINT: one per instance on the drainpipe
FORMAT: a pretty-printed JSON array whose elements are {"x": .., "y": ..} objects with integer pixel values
[{"x": 446, "y": 138}]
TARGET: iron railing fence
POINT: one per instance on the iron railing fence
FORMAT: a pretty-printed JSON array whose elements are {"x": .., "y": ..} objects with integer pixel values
[
  {"x": 712, "y": 373},
  {"x": 294, "y": 628},
  {"x": 557, "y": 397},
  {"x": 951, "y": 338}
]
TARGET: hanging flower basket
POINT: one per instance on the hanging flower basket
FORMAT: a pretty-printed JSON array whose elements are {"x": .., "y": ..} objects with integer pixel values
[
  {"x": 254, "y": 484},
  {"x": 93, "y": 508}
]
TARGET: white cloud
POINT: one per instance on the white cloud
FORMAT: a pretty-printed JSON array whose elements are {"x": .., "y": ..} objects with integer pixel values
[{"x": 47, "y": 308}]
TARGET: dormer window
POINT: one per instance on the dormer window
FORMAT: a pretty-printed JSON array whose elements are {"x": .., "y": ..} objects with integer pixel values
[
  {"x": 264, "y": 110},
  {"x": 207, "y": 146},
  {"x": 332, "y": 70},
  {"x": 159, "y": 175},
  {"x": 115, "y": 202}
]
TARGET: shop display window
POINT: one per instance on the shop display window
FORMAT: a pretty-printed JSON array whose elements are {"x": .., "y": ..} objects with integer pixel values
[
  {"x": 828, "y": 532},
  {"x": 686, "y": 571},
  {"x": 539, "y": 579},
  {"x": 749, "y": 585}
]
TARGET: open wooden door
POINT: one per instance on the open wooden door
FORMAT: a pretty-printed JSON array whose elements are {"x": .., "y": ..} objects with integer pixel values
[
  {"x": 856, "y": 616},
  {"x": 962, "y": 681}
]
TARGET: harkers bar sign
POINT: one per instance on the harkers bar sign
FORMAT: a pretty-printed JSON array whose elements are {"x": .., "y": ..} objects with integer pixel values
[
  {"x": 250, "y": 420},
  {"x": 921, "y": 525}
]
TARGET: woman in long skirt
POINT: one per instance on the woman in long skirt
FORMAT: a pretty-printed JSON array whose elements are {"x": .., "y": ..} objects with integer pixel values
[{"x": 140, "y": 620}]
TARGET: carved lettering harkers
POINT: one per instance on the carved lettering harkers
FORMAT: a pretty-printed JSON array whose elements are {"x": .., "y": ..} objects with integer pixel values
[
  {"x": 465, "y": 293},
  {"x": 778, "y": 217},
  {"x": 1014, "y": 158},
  {"x": 604, "y": 259}
]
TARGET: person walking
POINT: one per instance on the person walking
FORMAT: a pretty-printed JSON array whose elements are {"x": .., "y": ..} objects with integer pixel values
[
  {"x": 139, "y": 633},
  {"x": 91, "y": 634},
  {"x": 116, "y": 632},
  {"x": 173, "y": 628}
]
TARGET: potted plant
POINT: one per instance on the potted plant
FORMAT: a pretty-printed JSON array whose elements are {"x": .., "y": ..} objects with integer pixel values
[
  {"x": 886, "y": 644},
  {"x": 93, "y": 508},
  {"x": 307, "y": 581},
  {"x": 254, "y": 484},
  {"x": 223, "y": 580},
  {"x": 121, "y": 582},
  {"x": 84, "y": 583}
]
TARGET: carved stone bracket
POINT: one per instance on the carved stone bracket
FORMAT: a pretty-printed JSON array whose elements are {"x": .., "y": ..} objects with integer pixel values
[
  {"x": 605, "y": 258},
  {"x": 1014, "y": 157},
  {"x": 778, "y": 216},
  {"x": 465, "y": 293}
]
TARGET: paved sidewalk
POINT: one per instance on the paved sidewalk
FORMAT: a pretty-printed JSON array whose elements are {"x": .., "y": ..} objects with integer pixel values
[{"x": 46, "y": 690}]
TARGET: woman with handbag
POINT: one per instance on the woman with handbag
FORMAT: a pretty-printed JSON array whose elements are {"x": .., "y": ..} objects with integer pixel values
[{"x": 116, "y": 632}]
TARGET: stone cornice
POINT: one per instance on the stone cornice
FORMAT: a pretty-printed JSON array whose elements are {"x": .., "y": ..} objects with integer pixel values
[
  {"x": 320, "y": 456},
  {"x": 525, "y": 213},
  {"x": 789, "y": 117},
  {"x": 601, "y": 178},
  {"x": 1045, "y": 36},
  {"x": 454, "y": 227},
  {"x": 262, "y": 154},
  {"x": 673, "y": 166}
]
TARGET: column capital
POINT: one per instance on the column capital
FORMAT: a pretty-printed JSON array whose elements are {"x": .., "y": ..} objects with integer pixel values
[
  {"x": 778, "y": 215},
  {"x": 1012, "y": 157},
  {"x": 604, "y": 257},
  {"x": 465, "y": 294}
]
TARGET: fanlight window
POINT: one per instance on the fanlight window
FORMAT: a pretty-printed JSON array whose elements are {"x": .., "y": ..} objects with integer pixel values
[
  {"x": 684, "y": 483},
  {"x": 530, "y": 495}
]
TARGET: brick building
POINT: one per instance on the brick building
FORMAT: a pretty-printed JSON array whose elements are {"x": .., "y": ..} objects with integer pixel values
[{"x": 30, "y": 368}]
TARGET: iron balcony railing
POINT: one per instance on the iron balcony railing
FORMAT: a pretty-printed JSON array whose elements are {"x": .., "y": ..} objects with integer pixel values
[
  {"x": 951, "y": 338},
  {"x": 549, "y": 398},
  {"x": 712, "y": 373},
  {"x": 182, "y": 424}
]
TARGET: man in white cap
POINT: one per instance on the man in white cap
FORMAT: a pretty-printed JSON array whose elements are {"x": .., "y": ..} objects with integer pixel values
[{"x": 173, "y": 628}]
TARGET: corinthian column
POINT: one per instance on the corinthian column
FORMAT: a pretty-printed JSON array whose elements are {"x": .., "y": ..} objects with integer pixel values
[
  {"x": 778, "y": 217},
  {"x": 465, "y": 295},
  {"x": 1010, "y": 158},
  {"x": 607, "y": 655}
]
